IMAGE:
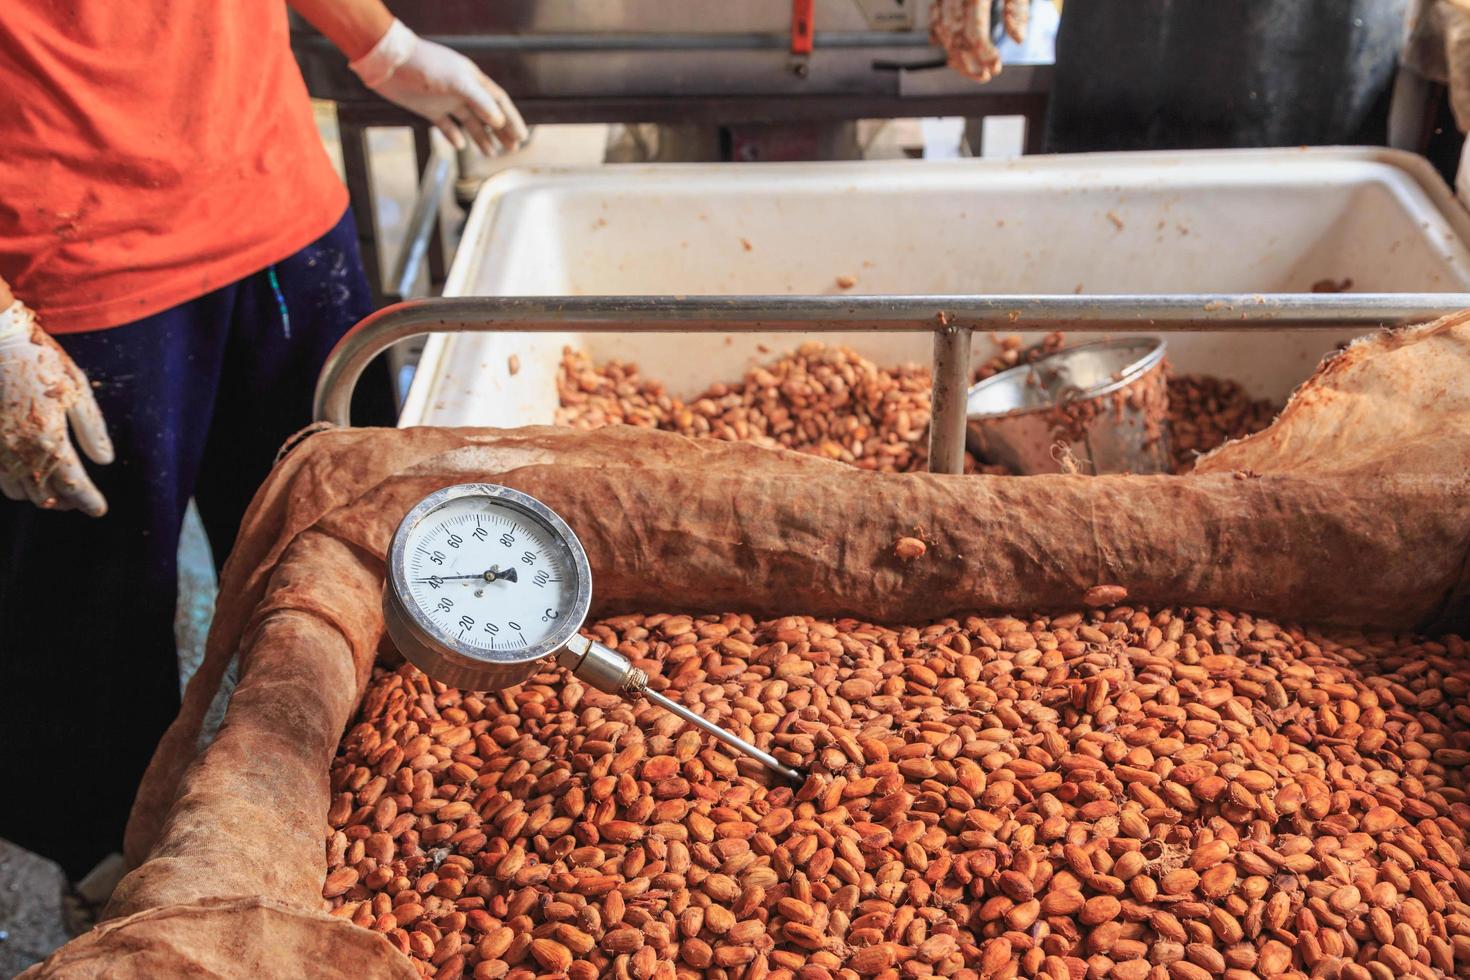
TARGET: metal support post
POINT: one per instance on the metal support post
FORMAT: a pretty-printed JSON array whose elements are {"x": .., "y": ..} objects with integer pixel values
[{"x": 951, "y": 379}]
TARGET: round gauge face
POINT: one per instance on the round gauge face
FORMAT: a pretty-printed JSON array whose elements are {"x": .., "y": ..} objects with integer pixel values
[{"x": 490, "y": 574}]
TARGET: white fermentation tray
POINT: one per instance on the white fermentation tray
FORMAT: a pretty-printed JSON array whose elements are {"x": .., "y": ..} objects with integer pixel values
[{"x": 1232, "y": 221}]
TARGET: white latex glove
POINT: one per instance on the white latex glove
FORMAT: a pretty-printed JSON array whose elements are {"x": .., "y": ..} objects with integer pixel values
[
  {"x": 962, "y": 29},
  {"x": 444, "y": 87},
  {"x": 40, "y": 389}
]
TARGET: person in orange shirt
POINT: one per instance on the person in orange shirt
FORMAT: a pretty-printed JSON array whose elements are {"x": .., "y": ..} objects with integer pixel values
[{"x": 176, "y": 261}]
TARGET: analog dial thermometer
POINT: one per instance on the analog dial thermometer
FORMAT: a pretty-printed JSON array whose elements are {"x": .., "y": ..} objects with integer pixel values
[{"x": 486, "y": 582}]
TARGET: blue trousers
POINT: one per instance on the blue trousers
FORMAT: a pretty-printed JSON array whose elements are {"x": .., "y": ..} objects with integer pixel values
[{"x": 198, "y": 399}]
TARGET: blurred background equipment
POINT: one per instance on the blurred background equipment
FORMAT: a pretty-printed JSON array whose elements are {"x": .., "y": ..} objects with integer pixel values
[
  {"x": 1181, "y": 74},
  {"x": 692, "y": 82}
]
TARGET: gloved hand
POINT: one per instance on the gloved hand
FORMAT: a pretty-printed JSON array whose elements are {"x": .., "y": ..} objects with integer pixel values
[
  {"x": 40, "y": 388},
  {"x": 962, "y": 29},
  {"x": 444, "y": 87}
]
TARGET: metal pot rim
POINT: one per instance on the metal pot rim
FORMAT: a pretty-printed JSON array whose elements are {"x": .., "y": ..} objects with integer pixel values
[{"x": 1152, "y": 349}]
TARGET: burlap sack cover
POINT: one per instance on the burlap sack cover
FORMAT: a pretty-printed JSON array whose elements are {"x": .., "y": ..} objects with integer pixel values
[{"x": 1354, "y": 507}]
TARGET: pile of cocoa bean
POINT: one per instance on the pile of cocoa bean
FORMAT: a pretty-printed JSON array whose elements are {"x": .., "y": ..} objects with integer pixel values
[
  {"x": 1123, "y": 792},
  {"x": 826, "y": 401},
  {"x": 1206, "y": 412},
  {"x": 832, "y": 402},
  {"x": 1009, "y": 351}
]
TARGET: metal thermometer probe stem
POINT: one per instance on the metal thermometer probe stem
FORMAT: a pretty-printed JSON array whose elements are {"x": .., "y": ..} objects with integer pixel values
[
  {"x": 612, "y": 673},
  {"x": 729, "y": 738}
]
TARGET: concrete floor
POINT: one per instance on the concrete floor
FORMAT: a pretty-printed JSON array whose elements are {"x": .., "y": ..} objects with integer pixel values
[{"x": 31, "y": 890}]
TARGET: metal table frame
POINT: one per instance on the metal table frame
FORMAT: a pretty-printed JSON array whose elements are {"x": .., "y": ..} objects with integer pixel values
[
  {"x": 424, "y": 238},
  {"x": 952, "y": 320}
]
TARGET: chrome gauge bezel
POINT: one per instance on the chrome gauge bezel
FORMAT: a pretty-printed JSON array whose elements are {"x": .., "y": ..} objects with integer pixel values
[{"x": 441, "y": 655}]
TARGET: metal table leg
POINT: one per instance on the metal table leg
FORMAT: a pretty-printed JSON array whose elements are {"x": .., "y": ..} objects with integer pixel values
[
  {"x": 357, "y": 163},
  {"x": 423, "y": 148}
]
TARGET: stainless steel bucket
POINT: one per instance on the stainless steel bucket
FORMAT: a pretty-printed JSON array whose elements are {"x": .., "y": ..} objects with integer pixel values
[{"x": 1099, "y": 407}]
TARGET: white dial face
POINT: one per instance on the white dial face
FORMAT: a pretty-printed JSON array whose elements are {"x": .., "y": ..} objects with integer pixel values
[{"x": 488, "y": 575}]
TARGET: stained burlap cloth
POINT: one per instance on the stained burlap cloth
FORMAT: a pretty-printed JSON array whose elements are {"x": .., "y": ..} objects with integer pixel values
[{"x": 1354, "y": 507}]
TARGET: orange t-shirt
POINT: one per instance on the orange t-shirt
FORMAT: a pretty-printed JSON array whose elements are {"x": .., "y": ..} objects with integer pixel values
[{"x": 151, "y": 151}]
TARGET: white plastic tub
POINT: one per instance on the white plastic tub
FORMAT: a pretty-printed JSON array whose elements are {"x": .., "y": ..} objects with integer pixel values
[{"x": 1243, "y": 221}]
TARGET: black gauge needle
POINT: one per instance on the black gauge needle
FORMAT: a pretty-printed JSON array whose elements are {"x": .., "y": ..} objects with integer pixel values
[{"x": 492, "y": 575}]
